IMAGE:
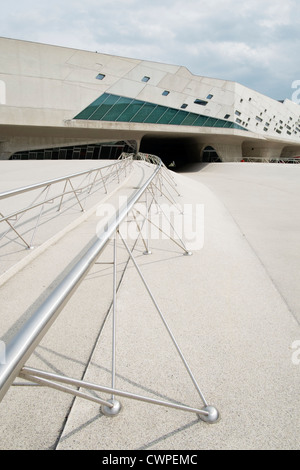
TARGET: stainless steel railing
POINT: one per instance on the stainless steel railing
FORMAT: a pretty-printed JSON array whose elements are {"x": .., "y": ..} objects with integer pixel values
[
  {"x": 24, "y": 343},
  {"x": 99, "y": 177}
]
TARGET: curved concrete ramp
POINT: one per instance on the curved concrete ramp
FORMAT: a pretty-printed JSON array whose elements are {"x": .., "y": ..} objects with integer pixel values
[{"x": 233, "y": 319}]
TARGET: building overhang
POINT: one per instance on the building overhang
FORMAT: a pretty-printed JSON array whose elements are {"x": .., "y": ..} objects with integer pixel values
[{"x": 80, "y": 132}]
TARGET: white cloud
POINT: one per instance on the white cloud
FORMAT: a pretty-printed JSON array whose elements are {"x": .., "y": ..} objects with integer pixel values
[{"x": 254, "y": 42}]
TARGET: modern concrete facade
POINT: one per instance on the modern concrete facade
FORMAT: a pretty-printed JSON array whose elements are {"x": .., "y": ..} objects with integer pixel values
[{"x": 55, "y": 97}]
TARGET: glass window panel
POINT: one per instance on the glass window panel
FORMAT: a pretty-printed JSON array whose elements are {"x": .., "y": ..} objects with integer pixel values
[
  {"x": 200, "y": 102},
  {"x": 130, "y": 111},
  {"x": 104, "y": 108},
  {"x": 168, "y": 116},
  {"x": 179, "y": 118},
  {"x": 228, "y": 124},
  {"x": 156, "y": 114},
  {"x": 210, "y": 122},
  {"x": 62, "y": 154},
  {"x": 221, "y": 123},
  {"x": 117, "y": 109},
  {"x": 200, "y": 121},
  {"x": 189, "y": 119},
  {"x": 144, "y": 112},
  {"x": 86, "y": 113},
  {"x": 236, "y": 126}
]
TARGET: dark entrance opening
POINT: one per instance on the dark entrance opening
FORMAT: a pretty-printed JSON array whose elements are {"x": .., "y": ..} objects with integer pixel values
[
  {"x": 209, "y": 155},
  {"x": 174, "y": 152}
]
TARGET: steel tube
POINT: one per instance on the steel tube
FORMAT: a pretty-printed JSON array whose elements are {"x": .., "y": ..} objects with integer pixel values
[
  {"x": 16, "y": 232},
  {"x": 30, "y": 374},
  {"x": 29, "y": 208},
  {"x": 62, "y": 388},
  {"x": 165, "y": 324},
  {"x": 113, "y": 368},
  {"x": 24, "y": 189},
  {"x": 24, "y": 343}
]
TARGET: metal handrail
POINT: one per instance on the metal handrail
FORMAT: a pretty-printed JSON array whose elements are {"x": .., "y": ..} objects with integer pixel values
[
  {"x": 23, "y": 344},
  {"x": 24, "y": 189},
  {"x": 45, "y": 185}
]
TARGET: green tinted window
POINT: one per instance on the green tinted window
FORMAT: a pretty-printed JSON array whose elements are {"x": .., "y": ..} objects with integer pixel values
[
  {"x": 100, "y": 113},
  {"x": 156, "y": 114},
  {"x": 168, "y": 116},
  {"x": 118, "y": 108},
  {"x": 130, "y": 111},
  {"x": 200, "y": 121},
  {"x": 143, "y": 113},
  {"x": 210, "y": 122},
  {"x": 216, "y": 123},
  {"x": 179, "y": 118},
  {"x": 236, "y": 126},
  {"x": 228, "y": 124},
  {"x": 87, "y": 112},
  {"x": 221, "y": 123},
  {"x": 121, "y": 109},
  {"x": 189, "y": 119}
]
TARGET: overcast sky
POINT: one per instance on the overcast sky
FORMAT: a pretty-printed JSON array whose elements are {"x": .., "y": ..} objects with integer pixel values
[{"x": 256, "y": 43}]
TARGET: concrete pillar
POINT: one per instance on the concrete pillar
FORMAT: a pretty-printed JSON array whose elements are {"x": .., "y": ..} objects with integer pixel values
[
  {"x": 226, "y": 152},
  {"x": 5, "y": 153}
]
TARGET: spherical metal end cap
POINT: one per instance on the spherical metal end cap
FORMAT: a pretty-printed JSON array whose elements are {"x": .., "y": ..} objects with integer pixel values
[
  {"x": 213, "y": 415},
  {"x": 111, "y": 411},
  {"x": 188, "y": 253},
  {"x": 148, "y": 252}
]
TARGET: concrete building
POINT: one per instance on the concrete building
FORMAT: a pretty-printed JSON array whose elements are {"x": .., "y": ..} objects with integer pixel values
[
  {"x": 65, "y": 103},
  {"x": 233, "y": 306}
]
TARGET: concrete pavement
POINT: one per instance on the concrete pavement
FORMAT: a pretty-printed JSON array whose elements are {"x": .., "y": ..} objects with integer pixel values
[{"x": 231, "y": 320}]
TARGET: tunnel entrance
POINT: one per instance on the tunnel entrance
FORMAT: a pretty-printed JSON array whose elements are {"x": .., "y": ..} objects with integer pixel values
[
  {"x": 174, "y": 152},
  {"x": 210, "y": 155}
]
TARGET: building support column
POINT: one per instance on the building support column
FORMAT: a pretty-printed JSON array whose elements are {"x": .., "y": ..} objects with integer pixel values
[{"x": 226, "y": 152}]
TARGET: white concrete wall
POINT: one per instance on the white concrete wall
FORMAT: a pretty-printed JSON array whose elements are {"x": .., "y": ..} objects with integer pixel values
[
  {"x": 46, "y": 85},
  {"x": 42, "y": 85}
]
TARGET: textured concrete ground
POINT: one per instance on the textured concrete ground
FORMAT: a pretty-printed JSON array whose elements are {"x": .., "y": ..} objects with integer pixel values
[
  {"x": 264, "y": 201},
  {"x": 53, "y": 219},
  {"x": 230, "y": 306}
]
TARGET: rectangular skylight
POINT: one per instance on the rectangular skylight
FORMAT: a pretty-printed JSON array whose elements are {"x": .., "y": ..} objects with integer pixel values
[
  {"x": 100, "y": 76},
  {"x": 200, "y": 102}
]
